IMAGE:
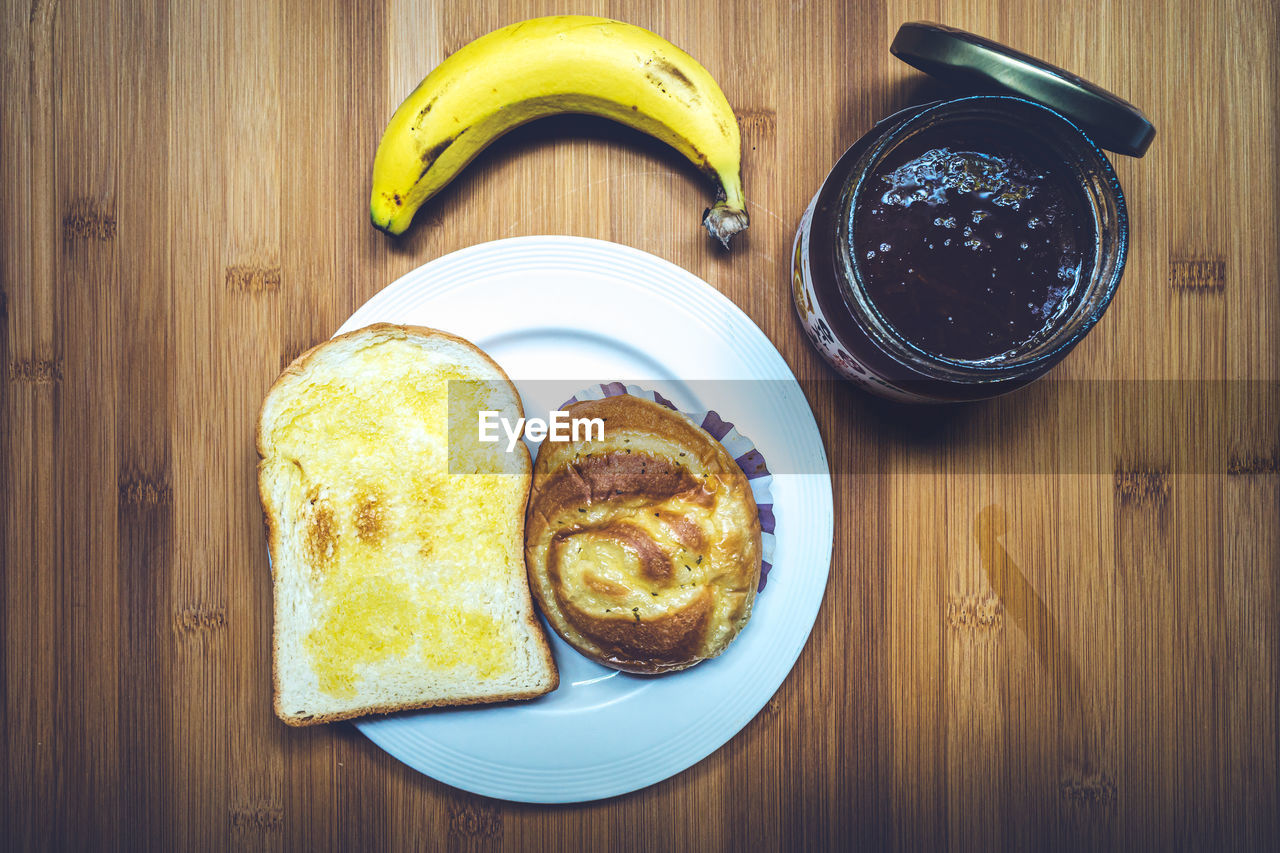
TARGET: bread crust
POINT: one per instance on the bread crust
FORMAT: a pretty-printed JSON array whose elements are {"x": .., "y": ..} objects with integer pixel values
[
  {"x": 298, "y": 369},
  {"x": 646, "y": 506}
]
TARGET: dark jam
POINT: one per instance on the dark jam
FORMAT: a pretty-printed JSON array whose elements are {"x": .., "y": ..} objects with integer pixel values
[{"x": 968, "y": 244}]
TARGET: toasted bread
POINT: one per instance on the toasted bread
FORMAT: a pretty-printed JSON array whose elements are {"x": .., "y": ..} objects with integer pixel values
[{"x": 398, "y": 572}]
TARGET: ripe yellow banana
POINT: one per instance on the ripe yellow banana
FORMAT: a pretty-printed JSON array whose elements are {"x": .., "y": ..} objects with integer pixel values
[{"x": 545, "y": 66}]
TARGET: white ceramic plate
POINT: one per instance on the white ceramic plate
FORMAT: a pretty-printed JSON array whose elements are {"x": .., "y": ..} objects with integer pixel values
[{"x": 559, "y": 314}]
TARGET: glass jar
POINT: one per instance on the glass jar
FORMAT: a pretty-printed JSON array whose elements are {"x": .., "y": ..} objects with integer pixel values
[{"x": 960, "y": 249}]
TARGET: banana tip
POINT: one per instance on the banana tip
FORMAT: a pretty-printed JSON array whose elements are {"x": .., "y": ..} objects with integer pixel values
[
  {"x": 722, "y": 221},
  {"x": 387, "y": 226}
]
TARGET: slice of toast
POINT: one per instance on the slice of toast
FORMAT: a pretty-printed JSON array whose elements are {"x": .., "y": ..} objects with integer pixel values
[{"x": 398, "y": 574}]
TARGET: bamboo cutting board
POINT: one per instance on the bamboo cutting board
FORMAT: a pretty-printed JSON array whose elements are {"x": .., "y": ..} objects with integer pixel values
[{"x": 1051, "y": 619}]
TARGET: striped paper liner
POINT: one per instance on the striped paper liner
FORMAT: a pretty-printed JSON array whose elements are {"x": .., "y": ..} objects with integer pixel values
[{"x": 741, "y": 448}]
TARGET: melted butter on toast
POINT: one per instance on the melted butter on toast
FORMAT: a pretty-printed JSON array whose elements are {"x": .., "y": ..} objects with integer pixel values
[{"x": 406, "y": 562}]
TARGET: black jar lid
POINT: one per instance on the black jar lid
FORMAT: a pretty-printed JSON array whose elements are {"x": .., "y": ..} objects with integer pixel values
[{"x": 947, "y": 54}]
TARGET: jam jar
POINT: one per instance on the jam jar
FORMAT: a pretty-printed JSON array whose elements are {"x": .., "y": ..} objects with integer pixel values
[{"x": 963, "y": 247}]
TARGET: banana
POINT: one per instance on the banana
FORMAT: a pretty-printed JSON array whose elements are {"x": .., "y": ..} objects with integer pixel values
[{"x": 547, "y": 66}]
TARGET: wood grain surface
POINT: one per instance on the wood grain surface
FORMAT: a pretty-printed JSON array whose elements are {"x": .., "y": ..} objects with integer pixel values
[{"x": 1051, "y": 619}]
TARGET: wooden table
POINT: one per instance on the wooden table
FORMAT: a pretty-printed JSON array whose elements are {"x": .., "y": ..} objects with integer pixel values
[{"x": 1052, "y": 618}]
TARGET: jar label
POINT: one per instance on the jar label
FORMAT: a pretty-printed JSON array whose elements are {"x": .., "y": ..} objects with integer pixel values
[{"x": 819, "y": 330}]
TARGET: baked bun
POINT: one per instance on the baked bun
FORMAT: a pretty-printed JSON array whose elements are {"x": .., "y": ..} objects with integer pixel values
[{"x": 643, "y": 549}]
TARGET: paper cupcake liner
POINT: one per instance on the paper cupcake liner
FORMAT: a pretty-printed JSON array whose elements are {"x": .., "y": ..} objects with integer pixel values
[{"x": 742, "y": 449}]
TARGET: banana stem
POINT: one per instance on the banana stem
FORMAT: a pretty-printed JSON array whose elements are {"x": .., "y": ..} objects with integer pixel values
[
  {"x": 728, "y": 215},
  {"x": 723, "y": 220}
]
